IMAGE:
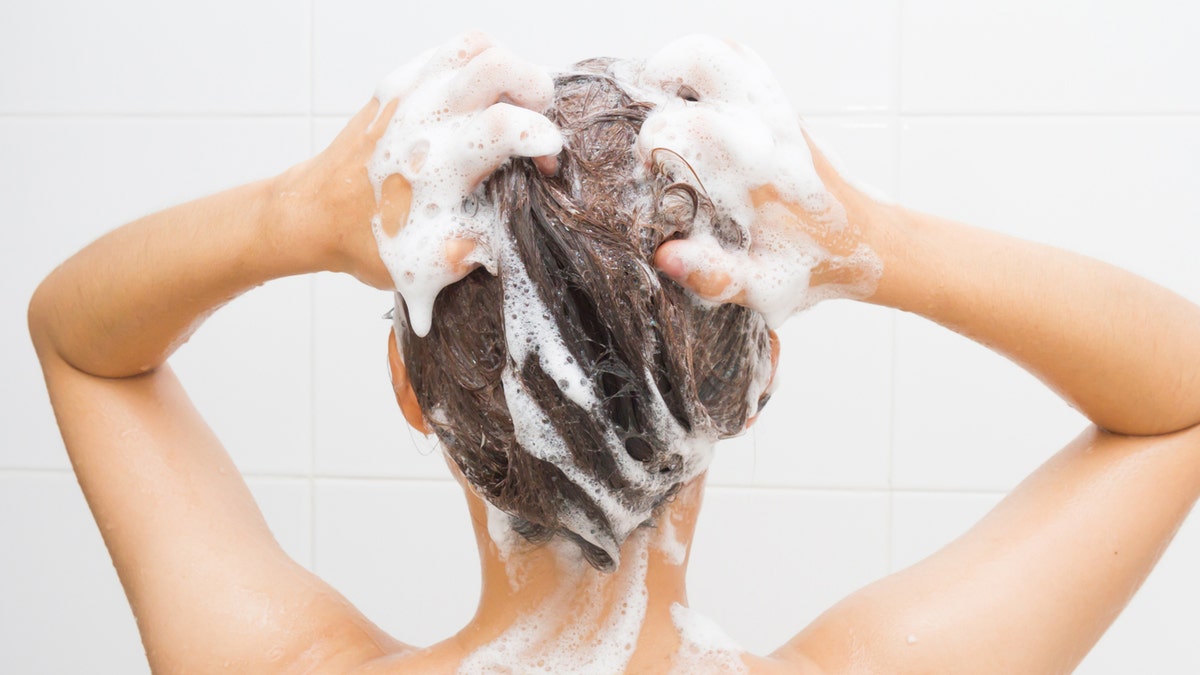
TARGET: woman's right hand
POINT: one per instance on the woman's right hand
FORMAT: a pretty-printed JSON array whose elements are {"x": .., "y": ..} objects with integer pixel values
[
  {"x": 778, "y": 272},
  {"x": 804, "y": 230}
]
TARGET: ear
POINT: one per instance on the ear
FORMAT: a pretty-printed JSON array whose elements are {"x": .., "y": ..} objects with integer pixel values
[
  {"x": 774, "y": 338},
  {"x": 405, "y": 396}
]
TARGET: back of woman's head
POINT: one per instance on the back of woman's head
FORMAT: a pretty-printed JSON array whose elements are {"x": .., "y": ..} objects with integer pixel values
[{"x": 576, "y": 389}]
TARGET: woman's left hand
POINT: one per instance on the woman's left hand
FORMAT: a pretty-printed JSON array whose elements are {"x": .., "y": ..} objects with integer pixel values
[{"x": 448, "y": 119}]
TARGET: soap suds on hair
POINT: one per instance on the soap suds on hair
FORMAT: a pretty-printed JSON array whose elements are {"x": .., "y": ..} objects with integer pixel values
[
  {"x": 719, "y": 109},
  {"x": 449, "y": 132},
  {"x": 531, "y": 332}
]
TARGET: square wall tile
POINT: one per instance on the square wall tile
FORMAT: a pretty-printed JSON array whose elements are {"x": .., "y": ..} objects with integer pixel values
[
  {"x": 142, "y": 56},
  {"x": 59, "y": 581},
  {"x": 830, "y": 57},
  {"x": 71, "y": 180},
  {"x": 829, "y": 421},
  {"x": 402, "y": 551},
  {"x": 1037, "y": 56},
  {"x": 767, "y": 562},
  {"x": 1118, "y": 189}
]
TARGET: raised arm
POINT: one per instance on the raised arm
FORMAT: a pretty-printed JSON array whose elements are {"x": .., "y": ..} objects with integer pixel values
[
  {"x": 207, "y": 582},
  {"x": 1124, "y": 351},
  {"x": 1033, "y": 586},
  {"x": 210, "y": 587}
]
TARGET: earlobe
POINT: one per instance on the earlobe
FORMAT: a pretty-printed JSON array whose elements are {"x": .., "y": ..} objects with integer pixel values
[{"x": 405, "y": 396}]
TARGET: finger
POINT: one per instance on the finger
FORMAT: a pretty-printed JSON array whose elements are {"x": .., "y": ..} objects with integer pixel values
[
  {"x": 701, "y": 266},
  {"x": 381, "y": 118},
  {"x": 504, "y": 131},
  {"x": 498, "y": 74}
]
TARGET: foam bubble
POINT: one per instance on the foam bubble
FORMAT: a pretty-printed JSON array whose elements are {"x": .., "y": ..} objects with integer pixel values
[{"x": 571, "y": 633}]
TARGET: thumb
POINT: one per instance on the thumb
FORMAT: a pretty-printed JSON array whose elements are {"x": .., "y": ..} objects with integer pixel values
[{"x": 701, "y": 265}]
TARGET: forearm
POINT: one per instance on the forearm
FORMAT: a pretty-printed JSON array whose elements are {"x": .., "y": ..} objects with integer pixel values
[
  {"x": 1123, "y": 350},
  {"x": 120, "y": 306}
]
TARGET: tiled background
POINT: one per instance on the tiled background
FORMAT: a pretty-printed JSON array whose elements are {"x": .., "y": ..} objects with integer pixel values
[{"x": 1074, "y": 122}]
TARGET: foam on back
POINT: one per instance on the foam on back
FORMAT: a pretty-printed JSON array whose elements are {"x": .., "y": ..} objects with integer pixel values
[
  {"x": 704, "y": 648},
  {"x": 564, "y": 638}
]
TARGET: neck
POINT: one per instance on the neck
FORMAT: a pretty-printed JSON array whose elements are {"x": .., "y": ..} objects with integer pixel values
[{"x": 541, "y": 593}]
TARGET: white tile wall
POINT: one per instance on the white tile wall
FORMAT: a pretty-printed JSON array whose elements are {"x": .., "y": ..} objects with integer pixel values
[
  {"x": 1075, "y": 123},
  {"x": 143, "y": 56},
  {"x": 402, "y": 551},
  {"x": 766, "y": 562},
  {"x": 854, "y": 71},
  {"x": 1067, "y": 56}
]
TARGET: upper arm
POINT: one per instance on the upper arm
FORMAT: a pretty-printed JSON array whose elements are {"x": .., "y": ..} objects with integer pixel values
[
  {"x": 1032, "y": 586},
  {"x": 208, "y": 583}
]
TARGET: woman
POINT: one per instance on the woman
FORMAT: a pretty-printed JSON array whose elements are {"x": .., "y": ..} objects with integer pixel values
[{"x": 1028, "y": 590}]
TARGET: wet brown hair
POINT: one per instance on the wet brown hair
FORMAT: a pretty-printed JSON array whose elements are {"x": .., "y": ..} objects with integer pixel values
[{"x": 585, "y": 238}]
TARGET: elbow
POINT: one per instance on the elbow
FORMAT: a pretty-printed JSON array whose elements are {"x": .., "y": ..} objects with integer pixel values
[{"x": 36, "y": 319}]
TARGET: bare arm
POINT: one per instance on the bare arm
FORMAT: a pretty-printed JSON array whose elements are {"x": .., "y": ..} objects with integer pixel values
[
  {"x": 210, "y": 587},
  {"x": 1121, "y": 349},
  {"x": 1034, "y": 585},
  {"x": 208, "y": 584}
]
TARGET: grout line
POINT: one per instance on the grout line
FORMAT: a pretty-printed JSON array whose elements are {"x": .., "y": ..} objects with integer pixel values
[
  {"x": 37, "y": 471},
  {"x": 312, "y": 310},
  {"x": 897, "y": 119}
]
